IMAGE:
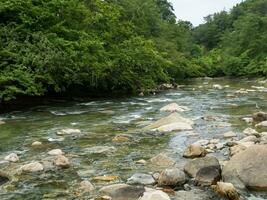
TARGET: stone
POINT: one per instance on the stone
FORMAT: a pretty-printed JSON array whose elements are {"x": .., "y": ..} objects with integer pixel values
[
  {"x": 2, "y": 122},
  {"x": 208, "y": 176},
  {"x": 141, "y": 162},
  {"x": 227, "y": 190},
  {"x": 193, "y": 166},
  {"x": 36, "y": 143},
  {"x": 194, "y": 150},
  {"x": 162, "y": 160},
  {"x": 121, "y": 138},
  {"x": 108, "y": 178},
  {"x": 250, "y": 131},
  {"x": 12, "y": 157},
  {"x": 100, "y": 149},
  {"x": 217, "y": 86},
  {"x": 55, "y": 152},
  {"x": 171, "y": 123},
  {"x": 219, "y": 146},
  {"x": 155, "y": 195},
  {"x": 68, "y": 131},
  {"x": 214, "y": 141},
  {"x": 202, "y": 142},
  {"x": 229, "y": 134},
  {"x": 247, "y": 169},
  {"x": 103, "y": 198},
  {"x": 174, "y": 107},
  {"x": 32, "y": 167},
  {"x": 123, "y": 191},
  {"x": 171, "y": 177},
  {"x": 4, "y": 178},
  {"x": 62, "y": 161},
  {"x": 248, "y": 119},
  {"x": 262, "y": 125},
  {"x": 259, "y": 116},
  {"x": 141, "y": 179},
  {"x": 86, "y": 186},
  {"x": 194, "y": 194},
  {"x": 251, "y": 138}
]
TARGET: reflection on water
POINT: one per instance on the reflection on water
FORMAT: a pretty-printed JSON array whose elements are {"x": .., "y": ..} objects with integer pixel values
[{"x": 99, "y": 121}]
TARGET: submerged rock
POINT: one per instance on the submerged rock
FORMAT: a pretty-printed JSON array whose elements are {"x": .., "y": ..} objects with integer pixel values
[
  {"x": 171, "y": 177},
  {"x": 227, "y": 190},
  {"x": 3, "y": 178},
  {"x": 259, "y": 116},
  {"x": 55, "y": 152},
  {"x": 86, "y": 186},
  {"x": 194, "y": 166},
  {"x": 141, "y": 179},
  {"x": 171, "y": 123},
  {"x": 62, "y": 161},
  {"x": 36, "y": 143},
  {"x": 68, "y": 131},
  {"x": 174, "y": 107},
  {"x": 195, "y": 150},
  {"x": 155, "y": 195},
  {"x": 162, "y": 160},
  {"x": 248, "y": 168},
  {"x": 121, "y": 138},
  {"x": 12, "y": 157},
  {"x": 217, "y": 86},
  {"x": 194, "y": 194},
  {"x": 122, "y": 191},
  {"x": 100, "y": 149},
  {"x": 32, "y": 167},
  {"x": 229, "y": 134}
]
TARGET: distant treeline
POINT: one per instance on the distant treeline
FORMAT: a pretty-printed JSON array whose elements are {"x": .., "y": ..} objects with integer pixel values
[{"x": 56, "y": 46}]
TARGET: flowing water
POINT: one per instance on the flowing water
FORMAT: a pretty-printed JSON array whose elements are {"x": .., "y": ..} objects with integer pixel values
[{"x": 99, "y": 121}]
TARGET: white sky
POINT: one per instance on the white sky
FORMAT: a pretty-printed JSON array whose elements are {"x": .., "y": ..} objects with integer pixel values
[{"x": 195, "y": 10}]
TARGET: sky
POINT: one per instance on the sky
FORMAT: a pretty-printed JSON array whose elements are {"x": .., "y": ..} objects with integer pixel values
[{"x": 195, "y": 10}]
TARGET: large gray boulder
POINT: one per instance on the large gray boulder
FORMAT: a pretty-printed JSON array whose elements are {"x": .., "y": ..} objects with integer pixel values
[
  {"x": 123, "y": 191},
  {"x": 141, "y": 179},
  {"x": 171, "y": 177},
  {"x": 247, "y": 169}
]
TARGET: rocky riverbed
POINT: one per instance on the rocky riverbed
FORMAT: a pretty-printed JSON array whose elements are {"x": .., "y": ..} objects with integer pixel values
[{"x": 206, "y": 139}]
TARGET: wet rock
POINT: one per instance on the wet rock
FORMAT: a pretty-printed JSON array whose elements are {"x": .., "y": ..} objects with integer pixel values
[
  {"x": 208, "y": 175},
  {"x": 86, "y": 186},
  {"x": 55, "y": 152},
  {"x": 123, "y": 191},
  {"x": 68, "y": 131},
  {"x": 248, "y": 119},
  {"x": 193, "y": 166},
  {"x": 248, "y": 168},
  {"x": 121, "y": 138},
  {"x": 250, "y": 131},
  {"x": 171, "y": 177},
  {"x": 174, "y": 107},
  {"x": 262, "y": 125},
  {"x": 202, "y": 142},
  {"x": 141, "y": 162},
  {"x": 194, "y": 150},
  {"x": 141, "y": 179},
  {"x": 155, "y": 195},
  {"x": 171, "y": 123},
  {"x": 109, "y": 178},
  {"x": 241, "y": 91},
  {"x": 12, "y": 157},
  {"x": 162, "y": 160},
  {"x": 100, "y": 149},
  {"x": 62, "y": 161},
  {"x": 32, "y": 167},
  {"x": 217, "y": 87},
  {"x": 227, "y": 190},
  {"x": 194, "y": 194},
  {"x": 259, "y": 116},
  {"x": 36, "y": 143},
  {"x": 3, "y": 178},
  {"x": 229, "y": 134}
]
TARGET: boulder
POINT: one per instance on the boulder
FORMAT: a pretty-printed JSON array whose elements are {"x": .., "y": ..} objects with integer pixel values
[
  {"x": 227, "y": 190},
  {"x": 174, "y": 107},
  {"x": 32, "y": 167},
  {"x": 171, "y": 123},
  {"x": 68, "y": 131},
  {"x": 122, "y": 191},
  {"x": 162, "y": 160},
  {"x": 229, "y": 134},
  {"x": 86, "y": 186},
  {"x": 155, "y": 195},
  {"x": 262, "y": 125},
  {"x": 171, "y": 177},
  {"x": 62, "y": 161},
  {"x": 248, "y": 168},
  {"x": 12, "y": 157},
  {"x": 194, "y": 150},
  {"x": 194, "y": 194},
  {"x": 208, "y": 176},
  {"x": 100, "y": 150},
  {"x": 55, "y": 152},
  {"x": 193, "y": 166},
  {"x": 251, "y": 138},
  {"x": 250, "y": 131},
  {"x": 259, "y": 116},
  {"x": 141, "y": 179}
]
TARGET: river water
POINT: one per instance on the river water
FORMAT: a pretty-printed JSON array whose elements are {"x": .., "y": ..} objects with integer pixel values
[{"x": 99, "y": 121}]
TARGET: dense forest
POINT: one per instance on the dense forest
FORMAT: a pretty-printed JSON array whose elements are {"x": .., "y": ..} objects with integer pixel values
[{"x": 100, "y": 46}]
